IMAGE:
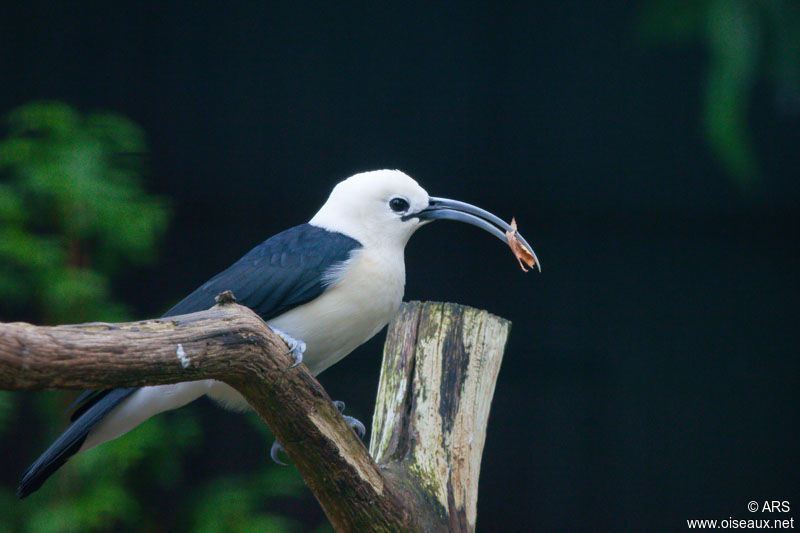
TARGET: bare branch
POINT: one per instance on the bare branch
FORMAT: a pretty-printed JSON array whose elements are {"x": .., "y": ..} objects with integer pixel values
[{"x": 232, "y": 344}]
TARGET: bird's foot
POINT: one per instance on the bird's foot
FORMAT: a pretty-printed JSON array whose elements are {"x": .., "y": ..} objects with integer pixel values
[
  {"x": 273, "y": 453},
  {"x": 353, "y": 422},
  {"x": 296, "y": 347}
]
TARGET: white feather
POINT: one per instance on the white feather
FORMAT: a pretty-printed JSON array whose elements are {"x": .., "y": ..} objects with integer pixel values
[{"x": 362, "y": 295}]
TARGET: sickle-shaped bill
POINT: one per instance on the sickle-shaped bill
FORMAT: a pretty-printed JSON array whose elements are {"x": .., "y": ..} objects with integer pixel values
[{"x": 446, "y": 209}]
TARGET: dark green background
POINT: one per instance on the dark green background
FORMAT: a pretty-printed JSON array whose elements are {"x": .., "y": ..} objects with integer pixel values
[{"x": 652, "y": 373}]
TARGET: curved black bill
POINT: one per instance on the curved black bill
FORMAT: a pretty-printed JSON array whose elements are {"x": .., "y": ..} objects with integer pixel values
[{"x": 446, "y": 209}]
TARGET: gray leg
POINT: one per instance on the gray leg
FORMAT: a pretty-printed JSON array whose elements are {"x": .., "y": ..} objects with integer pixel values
[
  {"x": 354, "y": 423},
  {"x": 296, "y": 347},
  {"x": 273, "y": 453}
]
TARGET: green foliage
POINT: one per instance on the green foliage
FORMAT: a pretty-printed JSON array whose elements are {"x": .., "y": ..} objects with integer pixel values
[
  {"x": 72, "y": 211},
  {"x": 7, "y": 410},
  {"x": 97, "y": 490},
  {"x": 748, "y": 42},
  {"x": 238, "y": 504}
]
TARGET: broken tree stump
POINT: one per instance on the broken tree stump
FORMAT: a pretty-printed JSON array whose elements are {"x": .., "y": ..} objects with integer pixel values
[{"x": 440, "y": 366}]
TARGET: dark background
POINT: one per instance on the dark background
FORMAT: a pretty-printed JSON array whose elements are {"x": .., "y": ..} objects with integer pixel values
[{"x": 652, "y": 372}]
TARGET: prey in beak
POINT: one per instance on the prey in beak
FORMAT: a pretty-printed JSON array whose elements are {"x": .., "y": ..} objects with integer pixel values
[{"x": 446, "y": 209}]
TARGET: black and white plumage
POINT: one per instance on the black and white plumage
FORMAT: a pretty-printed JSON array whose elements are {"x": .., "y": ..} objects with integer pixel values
[
  {"x": 277, "y": 275},
  {"x": 332, "y": 283}
]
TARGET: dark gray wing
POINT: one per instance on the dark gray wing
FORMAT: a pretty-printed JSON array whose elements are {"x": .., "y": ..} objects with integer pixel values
[{"x": 282, "y": 272}]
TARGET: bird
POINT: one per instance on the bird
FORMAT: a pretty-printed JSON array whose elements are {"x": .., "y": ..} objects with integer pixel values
[{"x": 326, "y": 287}]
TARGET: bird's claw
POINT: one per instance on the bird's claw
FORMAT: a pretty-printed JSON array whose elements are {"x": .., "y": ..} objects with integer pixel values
[
  {"x": 296, "y": 347},
  {"x": 273, "y": 453},
  {"x": 353, "y": 422},
  {"x": 356, "y": 424}
]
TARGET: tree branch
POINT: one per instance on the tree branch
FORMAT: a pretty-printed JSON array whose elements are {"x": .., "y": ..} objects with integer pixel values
[
  {"x": 232, "y": 344},
  {"x": 439, "y": 370}
]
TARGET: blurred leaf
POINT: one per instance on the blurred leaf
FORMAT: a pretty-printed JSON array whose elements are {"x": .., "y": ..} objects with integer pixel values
[
  {"x": 79, "y": 295},
  {"x": 124, "y": 136},
  {"x": 276, "y": 480},
  {"x": 55, "y": 117},
  {"x": 12, "y": 512},
  {"x": 663, "y": 21},
  {"x": 734, "y": 43},
  {"x": 97, "y": 508},
  {"x": 227, "y": 505},
  {"x": 15, "y": 151},
  {"x": 783, "y": 57},
  {"x": 25, "y": 249},
  {"x": 75, "y": 210},
  {"x": 7, "y": 405},
  {"x": 747, "y": 41},
  {"x": 11, "y": 206},
  {"x": 73, "y": 214}
]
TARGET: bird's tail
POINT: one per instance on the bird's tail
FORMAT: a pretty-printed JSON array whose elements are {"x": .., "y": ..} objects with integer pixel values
[{"x": 88, "y": 415}]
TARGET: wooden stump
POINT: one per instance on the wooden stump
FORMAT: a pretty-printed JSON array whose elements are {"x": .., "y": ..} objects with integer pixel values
[{"x": 440, "y": 366}]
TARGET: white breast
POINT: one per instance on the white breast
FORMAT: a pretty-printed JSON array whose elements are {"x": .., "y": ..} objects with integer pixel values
[
  {"x": 360, "y": 303},
  {"x": 363, "y": 299}
]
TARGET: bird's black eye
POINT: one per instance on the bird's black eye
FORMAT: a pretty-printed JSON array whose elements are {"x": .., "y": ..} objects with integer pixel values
[{"x": 399, "y": 205}]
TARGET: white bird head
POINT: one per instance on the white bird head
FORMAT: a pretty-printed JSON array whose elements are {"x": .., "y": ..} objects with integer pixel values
[
  {"x": 385, "y": 207},
  {"x": 369, "y": 207}
]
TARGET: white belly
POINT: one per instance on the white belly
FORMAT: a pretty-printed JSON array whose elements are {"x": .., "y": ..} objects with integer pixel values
[{"x": 347, "y": 314}]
